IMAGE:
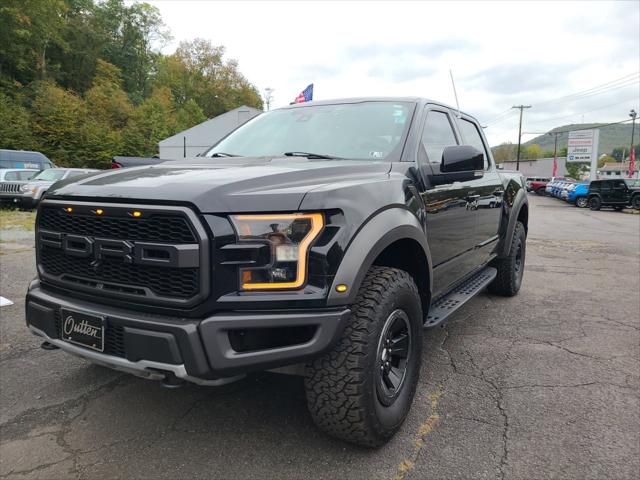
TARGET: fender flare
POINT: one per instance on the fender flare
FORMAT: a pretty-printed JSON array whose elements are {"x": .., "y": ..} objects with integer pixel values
[
  {"x": 505, "y": 242},
  {"x": 380, "y": 231}
]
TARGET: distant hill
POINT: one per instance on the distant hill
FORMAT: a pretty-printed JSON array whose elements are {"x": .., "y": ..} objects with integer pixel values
[{"x": 610, "y": 136}]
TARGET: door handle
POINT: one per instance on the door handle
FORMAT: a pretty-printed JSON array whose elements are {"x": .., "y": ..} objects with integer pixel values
[{"x": 498, "y": 192}]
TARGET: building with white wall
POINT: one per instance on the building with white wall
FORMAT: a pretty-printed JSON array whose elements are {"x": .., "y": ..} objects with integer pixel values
[{"x": 199, "y": 138}]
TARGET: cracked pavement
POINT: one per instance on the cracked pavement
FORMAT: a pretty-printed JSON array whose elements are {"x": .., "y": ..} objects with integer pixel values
[{"x": 542, "y": 385}]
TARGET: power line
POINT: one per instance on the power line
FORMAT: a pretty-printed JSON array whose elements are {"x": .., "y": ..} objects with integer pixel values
[
  {"x": 581, "y": 113},
  {"x": 626, "y": 78}
]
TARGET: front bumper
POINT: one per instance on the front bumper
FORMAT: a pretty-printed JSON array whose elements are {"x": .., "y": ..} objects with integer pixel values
[{"x": 195, "y": 350}]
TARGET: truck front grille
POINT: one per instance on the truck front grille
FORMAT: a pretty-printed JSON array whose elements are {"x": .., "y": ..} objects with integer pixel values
[{"x": 155, "y": 258}]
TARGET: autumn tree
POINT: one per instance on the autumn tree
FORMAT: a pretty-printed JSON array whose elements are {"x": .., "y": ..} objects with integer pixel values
[
  {"x": 149, "y": 123},
  {"x": 15, "y": 125}
]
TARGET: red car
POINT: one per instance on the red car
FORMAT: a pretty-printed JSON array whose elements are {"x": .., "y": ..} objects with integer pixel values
[{"x": 537, "y": 184}]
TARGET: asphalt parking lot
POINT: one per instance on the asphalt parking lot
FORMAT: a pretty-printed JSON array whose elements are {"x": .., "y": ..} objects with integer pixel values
[{"x": 543, "y": 385}]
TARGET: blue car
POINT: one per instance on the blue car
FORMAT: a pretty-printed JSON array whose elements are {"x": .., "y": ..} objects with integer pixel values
[{"x": 578, "y": 195}]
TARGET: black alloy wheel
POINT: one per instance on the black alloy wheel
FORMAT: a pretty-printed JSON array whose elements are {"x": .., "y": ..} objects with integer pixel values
[{"x": 394, "y": 350}]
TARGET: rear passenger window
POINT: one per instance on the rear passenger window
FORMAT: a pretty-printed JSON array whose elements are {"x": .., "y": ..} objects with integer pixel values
[
  {"x": 471, "y": 136},
  {"x": 437, "y": 135},
  {"x": 605, "y": 186}
]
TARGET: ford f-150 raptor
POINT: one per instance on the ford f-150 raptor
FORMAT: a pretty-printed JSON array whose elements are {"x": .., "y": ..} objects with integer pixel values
[{"x": 323, "y": 236}]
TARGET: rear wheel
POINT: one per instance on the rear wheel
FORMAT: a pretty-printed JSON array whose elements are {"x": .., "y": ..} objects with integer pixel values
[
  {"x": 595, "y": 203},
  {"x": 511, "y": 268},
  {"x": 635, "y": 202},
  {"x": 362, "y": 389},
  {"x": 581, "y": 202}
]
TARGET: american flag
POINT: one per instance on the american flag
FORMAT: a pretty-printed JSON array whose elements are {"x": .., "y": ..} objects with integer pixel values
[{"x": 305, "y": 96}]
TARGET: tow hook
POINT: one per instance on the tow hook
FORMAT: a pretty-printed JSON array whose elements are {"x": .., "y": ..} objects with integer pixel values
[
  {"x": 171, "y": 381},
  {"x": 48, "y": 346}
]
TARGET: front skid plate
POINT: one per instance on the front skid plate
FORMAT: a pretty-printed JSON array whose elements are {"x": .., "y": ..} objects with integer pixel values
[{"x": 452, "y": 301}]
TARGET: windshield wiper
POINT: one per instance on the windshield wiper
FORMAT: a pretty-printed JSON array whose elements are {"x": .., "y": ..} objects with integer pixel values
[
  {"x": 222, "y": 154},
  {"x": 312, "y": 155}
]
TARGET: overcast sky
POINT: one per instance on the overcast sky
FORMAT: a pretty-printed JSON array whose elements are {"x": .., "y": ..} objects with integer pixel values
[{"x": 501, "y": 54}]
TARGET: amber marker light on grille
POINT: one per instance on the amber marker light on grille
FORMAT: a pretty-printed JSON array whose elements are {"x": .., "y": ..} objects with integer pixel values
[
  {"x": 136, "y": 214},
  {"x": 99, "y": 211},
  {"x": 68, "y": 209}
]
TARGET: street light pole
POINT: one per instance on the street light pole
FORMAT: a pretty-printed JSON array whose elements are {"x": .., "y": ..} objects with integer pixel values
[{"x": 521, "y": 107}]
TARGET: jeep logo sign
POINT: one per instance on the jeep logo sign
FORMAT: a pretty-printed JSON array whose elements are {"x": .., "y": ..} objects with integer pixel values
[{"x": 139, "y": 253}]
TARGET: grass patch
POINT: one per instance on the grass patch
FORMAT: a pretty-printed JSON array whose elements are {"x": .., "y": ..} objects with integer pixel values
[{"x": 17, "y": 220}]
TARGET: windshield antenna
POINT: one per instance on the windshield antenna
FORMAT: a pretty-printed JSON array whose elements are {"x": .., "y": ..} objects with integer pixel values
[{"x": 455, "y": 93}]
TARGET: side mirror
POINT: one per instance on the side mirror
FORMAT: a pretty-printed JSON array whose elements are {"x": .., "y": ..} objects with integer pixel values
[
  {"x": 461, "y": 158},
  {"x": 460, "y": 163}
]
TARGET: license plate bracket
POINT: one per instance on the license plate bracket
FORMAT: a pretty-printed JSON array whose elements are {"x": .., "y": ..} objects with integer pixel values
[{"x": 83, "y": 329}]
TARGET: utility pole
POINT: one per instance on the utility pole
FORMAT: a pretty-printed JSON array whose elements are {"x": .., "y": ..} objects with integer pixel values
[
  {"x": 633, "y": 116},
  {"x": 268, "y": 97},
  {"x": 521, "y": 107}
]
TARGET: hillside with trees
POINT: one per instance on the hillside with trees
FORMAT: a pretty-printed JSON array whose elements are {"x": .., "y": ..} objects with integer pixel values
[
  {"x": 82, "y": 80},
  {"x": 613, "y": 141}
]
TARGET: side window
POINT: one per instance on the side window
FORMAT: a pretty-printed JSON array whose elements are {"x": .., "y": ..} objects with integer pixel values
[
  {"x": 471, "y": 136},
  {"x": 619, "y": 185},
  {"x": 437, "y": 135},
  {"x": 605, "y": 186}
]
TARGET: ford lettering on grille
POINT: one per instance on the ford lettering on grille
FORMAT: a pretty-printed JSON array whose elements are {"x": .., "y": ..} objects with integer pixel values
[{"x": 137, "y": 253}]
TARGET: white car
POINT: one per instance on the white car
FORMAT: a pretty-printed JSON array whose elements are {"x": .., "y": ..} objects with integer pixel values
[
  {"x": 33, "y": 191},
  {"x": 11, "y": 179}
]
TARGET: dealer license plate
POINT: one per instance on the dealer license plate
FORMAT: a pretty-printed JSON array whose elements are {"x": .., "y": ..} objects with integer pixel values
[{"x": 83, "y": 329}]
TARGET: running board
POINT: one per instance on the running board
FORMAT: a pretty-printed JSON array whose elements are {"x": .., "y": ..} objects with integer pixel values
[{"x": 456, "y": 298}]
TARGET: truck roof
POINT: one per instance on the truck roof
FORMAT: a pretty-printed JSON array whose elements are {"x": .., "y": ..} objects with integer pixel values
[{"x": 336, "y": 101}]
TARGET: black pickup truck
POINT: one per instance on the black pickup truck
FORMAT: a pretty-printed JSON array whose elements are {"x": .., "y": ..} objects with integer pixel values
[{"x": 322, "y": 237}]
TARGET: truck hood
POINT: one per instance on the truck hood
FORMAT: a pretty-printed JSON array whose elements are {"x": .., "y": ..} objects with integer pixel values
[{"x": 219, "y": 185}]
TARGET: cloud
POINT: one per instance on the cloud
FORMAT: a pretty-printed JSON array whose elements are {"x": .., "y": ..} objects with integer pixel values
[
  {"x": 509, "y": 79},
  {"x": 426, "y": 51}
]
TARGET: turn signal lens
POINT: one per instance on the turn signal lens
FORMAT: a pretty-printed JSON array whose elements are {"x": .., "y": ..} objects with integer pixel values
[
  {"x": 136, "y": 214},
  {"x": 99, "y": 211},
  {"x": 289, "y": 237},
  {"x": 68, "y": 209},
  {"x": 341, "y": 288}
]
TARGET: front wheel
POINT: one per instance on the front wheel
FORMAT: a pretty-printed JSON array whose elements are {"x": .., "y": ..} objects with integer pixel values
[
  {"x": 361, "y": 390},
  {"x": 581, "y": 202},
  {"x": 595, "y": 203}
]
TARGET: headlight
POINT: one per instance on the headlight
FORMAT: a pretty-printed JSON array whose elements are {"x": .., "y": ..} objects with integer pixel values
[
  {"x": 288, "y": 237},
  {"x": 25, "y": 188}
]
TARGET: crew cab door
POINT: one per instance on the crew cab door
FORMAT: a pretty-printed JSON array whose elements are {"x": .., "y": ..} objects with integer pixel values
[
  {"x": 489, "y": 190},
  {"x": 450, "y": 215}
]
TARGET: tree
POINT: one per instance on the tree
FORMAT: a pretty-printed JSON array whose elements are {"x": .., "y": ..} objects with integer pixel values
[
  {"x": 107, "y": 102},
  {"x": 198, "y": 71},
  {"x": 190, "y": 114},
  {"x": 604, "y": 160},
  {"x": 15, "y": 127},
  {"x": 30, "y": 28},
  {"x": 149, "y": 123},
  {"x": 532, "y": 152},
  {"x": 576, "y": 170},
  {"x": 504, "y": 152}
]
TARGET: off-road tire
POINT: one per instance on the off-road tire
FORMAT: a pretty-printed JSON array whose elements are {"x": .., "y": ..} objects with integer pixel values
[
  {"x": 582, "y": 202},
  {"x": 595, "y": 203},
  {"x": 635, "y": 201},
  {"x": 511, "y": 268},
  {"x": 341, "y": 386}
]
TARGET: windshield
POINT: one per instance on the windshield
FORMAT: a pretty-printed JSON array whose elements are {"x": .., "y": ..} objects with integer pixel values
[
  {"x": 354, "y": 131},
  {"x": 49, "y": 175}
]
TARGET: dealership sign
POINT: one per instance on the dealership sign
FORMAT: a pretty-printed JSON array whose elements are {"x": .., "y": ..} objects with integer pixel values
[{"x": 582, "y": 146}]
